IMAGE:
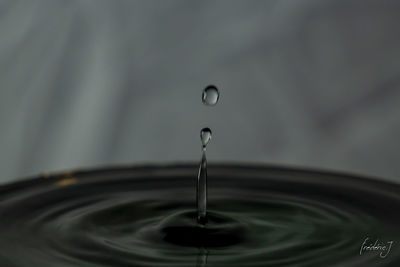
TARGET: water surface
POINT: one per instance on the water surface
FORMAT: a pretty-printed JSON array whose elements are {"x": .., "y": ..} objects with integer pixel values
[{"x": 146, "y": 216}]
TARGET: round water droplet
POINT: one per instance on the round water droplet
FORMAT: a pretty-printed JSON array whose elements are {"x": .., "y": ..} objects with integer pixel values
[
  {"x": 205, "y": 136},
  {"x": 210, "y": 95}
]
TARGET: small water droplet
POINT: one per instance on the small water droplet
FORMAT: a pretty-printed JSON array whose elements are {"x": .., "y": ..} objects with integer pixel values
[
  {"x": 210, "y": 95},
  {"x": 205, "y": 136}
]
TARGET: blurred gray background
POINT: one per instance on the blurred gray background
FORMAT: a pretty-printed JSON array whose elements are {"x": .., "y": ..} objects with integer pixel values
[{"x": 92, "y": 83}]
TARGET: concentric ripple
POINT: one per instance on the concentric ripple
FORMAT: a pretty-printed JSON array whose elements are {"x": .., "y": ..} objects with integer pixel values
[{"x": 145, "y": 216}]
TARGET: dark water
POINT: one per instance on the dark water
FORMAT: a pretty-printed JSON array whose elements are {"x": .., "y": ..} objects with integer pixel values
[{"x": 146, "y": 216}]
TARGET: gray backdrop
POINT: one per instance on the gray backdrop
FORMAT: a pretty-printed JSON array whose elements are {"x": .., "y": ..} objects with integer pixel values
[{"x": 92, "y": 83}]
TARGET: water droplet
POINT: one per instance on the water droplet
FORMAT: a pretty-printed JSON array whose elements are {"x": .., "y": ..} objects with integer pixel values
[
  {"x": 205, "y": 136},
  {"x": 210, "y": 95}
]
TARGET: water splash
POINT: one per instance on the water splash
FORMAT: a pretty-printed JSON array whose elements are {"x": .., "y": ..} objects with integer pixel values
[
  {"x": 210, "y": 97},
  {"x": 205, "y": 136},
  {"x": 260, "y": 217}
]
